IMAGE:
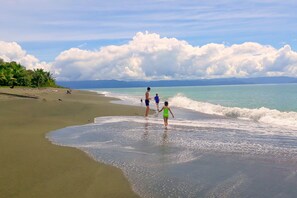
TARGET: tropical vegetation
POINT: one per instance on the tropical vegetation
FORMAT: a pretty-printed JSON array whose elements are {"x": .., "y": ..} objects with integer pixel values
[{"x": 14, "y": 74}]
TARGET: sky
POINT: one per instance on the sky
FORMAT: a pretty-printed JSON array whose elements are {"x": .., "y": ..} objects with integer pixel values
[{"x": 151, "y": 39}]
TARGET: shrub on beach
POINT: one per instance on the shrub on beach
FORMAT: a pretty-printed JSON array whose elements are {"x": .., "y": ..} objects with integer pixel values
[{"x": 14, "y": 74}]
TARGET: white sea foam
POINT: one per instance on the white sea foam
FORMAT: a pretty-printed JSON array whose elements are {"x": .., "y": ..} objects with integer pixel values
[
  {"x": 227, "y": 124},
  {"x": 263, "y": 115}
]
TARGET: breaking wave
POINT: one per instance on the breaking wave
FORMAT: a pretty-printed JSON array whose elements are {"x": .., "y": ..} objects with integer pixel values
[{"x": 263, "y": 115}]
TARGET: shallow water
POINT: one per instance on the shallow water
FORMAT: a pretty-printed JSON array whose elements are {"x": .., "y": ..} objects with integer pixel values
[
  {"x": 199, "y": 155},
  {"x": 269, "y": 104},
  {"x": 270, "y": 96}
]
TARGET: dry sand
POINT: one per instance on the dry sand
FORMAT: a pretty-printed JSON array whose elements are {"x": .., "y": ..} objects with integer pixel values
[{"x": 30, "y": 166}]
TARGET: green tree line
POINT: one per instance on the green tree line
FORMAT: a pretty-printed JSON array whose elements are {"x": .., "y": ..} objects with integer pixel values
[{"x": 14, "y": 74}]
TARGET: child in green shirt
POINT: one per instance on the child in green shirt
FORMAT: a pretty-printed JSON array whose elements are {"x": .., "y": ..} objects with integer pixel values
[{"x": 166, "y": 111}]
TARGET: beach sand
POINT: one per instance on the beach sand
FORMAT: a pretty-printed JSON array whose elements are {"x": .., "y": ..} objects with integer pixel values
[{"x": 31, "y": 166}]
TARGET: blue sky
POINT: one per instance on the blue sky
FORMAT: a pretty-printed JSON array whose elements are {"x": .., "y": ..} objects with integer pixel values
[{"x": 45, "y": 28}]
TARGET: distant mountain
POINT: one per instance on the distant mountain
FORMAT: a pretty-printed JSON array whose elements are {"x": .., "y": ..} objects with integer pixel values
[{"x": 171, "y": 83}]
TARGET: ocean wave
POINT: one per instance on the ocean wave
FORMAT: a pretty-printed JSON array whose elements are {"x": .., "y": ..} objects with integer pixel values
[
  {"x": 263, "y": 114},
  {"x": 103, "y": 92},
  {"x": 126, "y": 99}
]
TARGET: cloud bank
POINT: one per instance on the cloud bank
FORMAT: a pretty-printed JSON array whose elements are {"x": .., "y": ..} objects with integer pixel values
[{"x": 150, "y": 57}]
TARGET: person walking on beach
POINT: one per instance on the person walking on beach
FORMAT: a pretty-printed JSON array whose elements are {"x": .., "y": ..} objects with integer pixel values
[
  {"x": 166, "y": 111},
  {"x": 157, "y": 100},
  {"x": 147, "y": 101}
]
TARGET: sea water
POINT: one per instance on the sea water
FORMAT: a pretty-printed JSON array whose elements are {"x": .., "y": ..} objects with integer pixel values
[{"x": 225, "y": 141}]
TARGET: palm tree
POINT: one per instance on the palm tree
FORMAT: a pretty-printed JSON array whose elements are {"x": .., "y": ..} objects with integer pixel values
[
  {"x": 2, "y": 79},
  {"x": 15, "y": 74},
  {"x": 2, "y": 73},
  {"x": 38, "y": 78}
]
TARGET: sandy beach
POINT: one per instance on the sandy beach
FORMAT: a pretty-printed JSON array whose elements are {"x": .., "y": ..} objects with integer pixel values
[{"x": 31, "y": 166}]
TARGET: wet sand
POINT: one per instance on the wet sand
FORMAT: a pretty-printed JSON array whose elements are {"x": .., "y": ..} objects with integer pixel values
[{"x": 33, "y": 167}]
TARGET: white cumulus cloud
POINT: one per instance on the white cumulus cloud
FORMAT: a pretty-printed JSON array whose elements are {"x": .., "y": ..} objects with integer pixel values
[
  {"x": 148, "y": 56},
  {"x": 11, "y": 51}
]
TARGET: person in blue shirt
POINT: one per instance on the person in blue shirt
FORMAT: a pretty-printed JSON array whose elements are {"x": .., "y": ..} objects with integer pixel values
[{"x": 157, "y": 100}]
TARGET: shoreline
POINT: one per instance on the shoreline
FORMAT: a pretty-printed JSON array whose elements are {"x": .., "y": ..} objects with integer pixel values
[{"x": 32, "y": 166}]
